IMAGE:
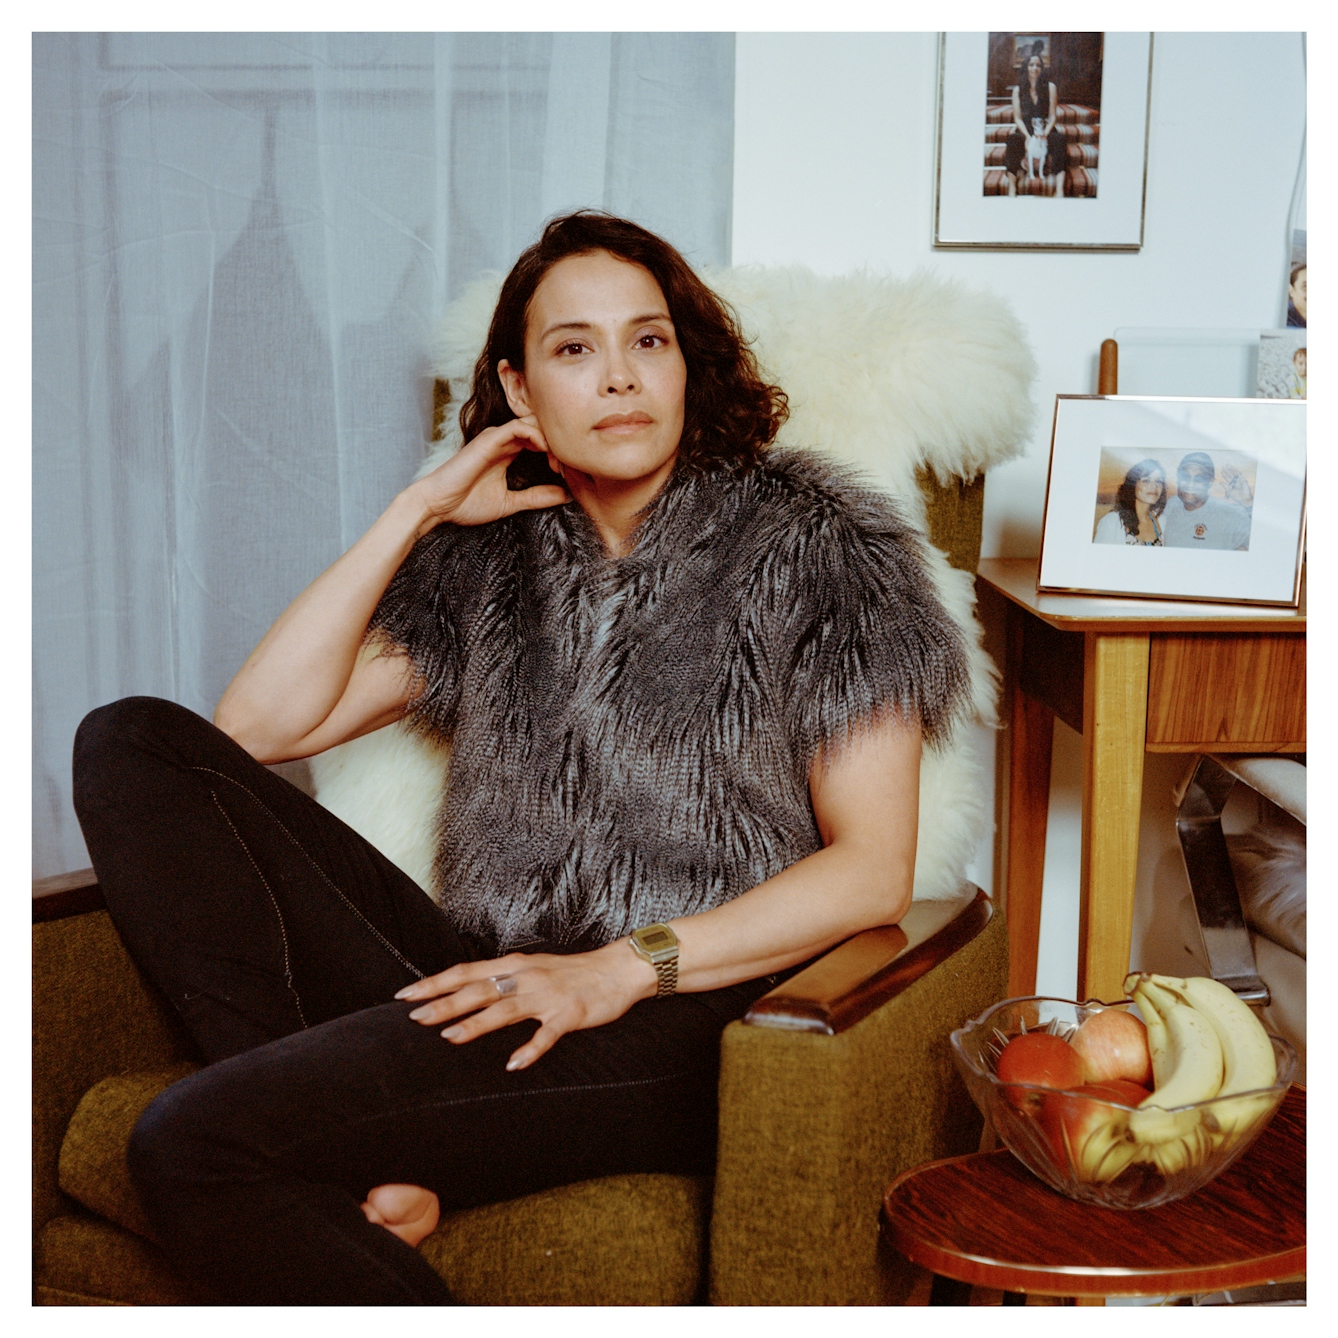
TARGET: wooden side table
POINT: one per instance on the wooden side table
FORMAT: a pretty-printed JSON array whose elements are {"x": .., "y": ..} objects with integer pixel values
[
  {"x": 1130, "y": 675},
  {"x": 987, "y": 1221}
]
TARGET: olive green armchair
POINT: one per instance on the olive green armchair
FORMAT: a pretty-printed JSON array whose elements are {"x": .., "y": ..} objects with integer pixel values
[{"x": 831, "y": 1086}]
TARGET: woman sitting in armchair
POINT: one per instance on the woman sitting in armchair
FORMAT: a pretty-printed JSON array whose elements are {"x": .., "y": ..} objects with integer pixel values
[{"x": 685, "y": 682}]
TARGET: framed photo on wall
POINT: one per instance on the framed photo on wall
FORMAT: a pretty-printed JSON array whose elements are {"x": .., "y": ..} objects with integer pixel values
[
  {"x": 1176, "y": 498},
  {"x": 1042, "y": 140}
]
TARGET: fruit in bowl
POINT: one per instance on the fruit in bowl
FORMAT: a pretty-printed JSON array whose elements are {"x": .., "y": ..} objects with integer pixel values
[
  {"x": 1089, "y": 1129},
  {"x": 1113, "y": 1047},
  {"x": 1037, "y": 1059},
  {"x": 1126, "y": 1111}
]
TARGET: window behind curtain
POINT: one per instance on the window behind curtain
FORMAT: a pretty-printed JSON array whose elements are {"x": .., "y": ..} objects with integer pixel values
[{"x": 241, "y": 245}]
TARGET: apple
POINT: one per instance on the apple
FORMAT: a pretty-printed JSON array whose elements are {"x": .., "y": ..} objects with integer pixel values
[
  {"x": 1040, "y": 1060},
  {"x": 1113, "y": 1045},
  {"x": 1086, "y": 1135}
]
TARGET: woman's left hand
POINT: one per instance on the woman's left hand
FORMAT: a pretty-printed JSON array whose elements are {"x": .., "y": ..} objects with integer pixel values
[{"x": 565, "y": 994}]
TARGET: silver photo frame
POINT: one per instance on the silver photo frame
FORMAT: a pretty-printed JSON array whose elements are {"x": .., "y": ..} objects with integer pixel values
[{"x": 1171, "y": 497}]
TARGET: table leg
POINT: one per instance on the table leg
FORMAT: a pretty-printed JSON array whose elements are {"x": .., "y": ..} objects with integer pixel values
[
  {"x": 1032, "y": 727},
  {"x": 949, "y": 1291},
  {"x": 1115, "y": 698}
]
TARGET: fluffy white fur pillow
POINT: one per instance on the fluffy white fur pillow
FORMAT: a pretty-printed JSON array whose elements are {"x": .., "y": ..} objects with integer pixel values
[{"x": 887, "y": 374}]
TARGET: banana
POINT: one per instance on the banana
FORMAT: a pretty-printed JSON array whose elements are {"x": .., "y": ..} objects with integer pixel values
[
  {"x": 1105, "y": 1152},
  {"x": 1178, "y": 1154},
  {"x": 1188, "y": 1070},
  {"x": 1158, "y": 1045},
  {"x": 1108, "y": 1154},
  {"x": 1248, "y": 1061}
]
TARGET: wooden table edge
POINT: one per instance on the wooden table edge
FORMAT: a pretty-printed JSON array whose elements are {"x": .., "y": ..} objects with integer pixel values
[
  {"x": 1073, "y": 1280},
  {"x": 1241, "y": 618}
]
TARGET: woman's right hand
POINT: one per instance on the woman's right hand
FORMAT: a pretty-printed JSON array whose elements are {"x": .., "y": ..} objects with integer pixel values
[
  {"x": 470, "y": 488},
  {"x": 314, "y": 680}
]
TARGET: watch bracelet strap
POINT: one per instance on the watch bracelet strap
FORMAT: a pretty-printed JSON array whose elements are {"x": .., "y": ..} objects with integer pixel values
[{"x": 667, "y": 975}]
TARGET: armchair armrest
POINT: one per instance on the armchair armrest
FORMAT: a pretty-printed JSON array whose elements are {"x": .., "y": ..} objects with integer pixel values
[
  {"x": 833, "y": 1085},
  {"x": 66, "y": 894},
  {"x": 93, "y": 1015},
  {"x": 863, "y": 973}
]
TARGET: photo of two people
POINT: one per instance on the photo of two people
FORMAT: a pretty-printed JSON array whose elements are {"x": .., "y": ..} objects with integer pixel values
[{"x": 1198, "y": 499}]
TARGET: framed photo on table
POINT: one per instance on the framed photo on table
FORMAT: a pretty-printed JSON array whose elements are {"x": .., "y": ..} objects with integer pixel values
[
  {"x": 1042, "y": 140},
  {"x": 1176, "y": 498}
]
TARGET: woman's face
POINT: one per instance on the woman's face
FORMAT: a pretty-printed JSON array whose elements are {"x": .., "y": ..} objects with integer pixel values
[
  {"x": 1149, "y": 488},
  {"x": 1034, "y": 69},
  {"x": 604, "y": 376}
]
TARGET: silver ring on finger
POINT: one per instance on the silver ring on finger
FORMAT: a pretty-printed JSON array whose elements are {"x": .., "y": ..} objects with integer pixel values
[{"x": 505, "y": 985}]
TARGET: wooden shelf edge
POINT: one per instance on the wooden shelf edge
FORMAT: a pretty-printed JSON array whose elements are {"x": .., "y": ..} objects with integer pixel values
[{"x": 1218, "y": 746}]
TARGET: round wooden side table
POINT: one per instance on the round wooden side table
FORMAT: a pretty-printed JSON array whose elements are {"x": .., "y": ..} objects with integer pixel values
[{"x": 986, "y": 1221}]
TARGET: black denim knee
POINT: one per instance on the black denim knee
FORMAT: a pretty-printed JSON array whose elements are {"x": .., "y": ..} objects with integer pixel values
[
  {"x": 107, "y": 733},
  {"x": 165, "y": 1152},
  {"x": 130, "y": 719}
]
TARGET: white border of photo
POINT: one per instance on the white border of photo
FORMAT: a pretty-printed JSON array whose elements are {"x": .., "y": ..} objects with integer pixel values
[
  {"x": 965, "y": 217},
  {"x": 1272, "y": 431}
]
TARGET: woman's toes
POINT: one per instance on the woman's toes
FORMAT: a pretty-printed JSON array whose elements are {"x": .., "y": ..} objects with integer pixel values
[{"x": 408, "y": 1211}]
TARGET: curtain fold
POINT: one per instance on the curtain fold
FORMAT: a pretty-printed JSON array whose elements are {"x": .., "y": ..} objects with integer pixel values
[{"x": 241, "y": 245}]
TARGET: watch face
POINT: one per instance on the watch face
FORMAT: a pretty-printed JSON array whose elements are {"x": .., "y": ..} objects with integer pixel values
[{"x": 655, "y": 938}]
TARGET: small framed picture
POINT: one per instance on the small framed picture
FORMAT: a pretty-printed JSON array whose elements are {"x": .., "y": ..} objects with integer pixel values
[
  {"x": 1176, "y": 498},
  {"x": 1042, "y": 140},
  {"x": 1282, "y": 364}
]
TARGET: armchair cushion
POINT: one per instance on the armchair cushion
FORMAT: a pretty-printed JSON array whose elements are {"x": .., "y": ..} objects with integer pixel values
[
  {"x": 623, "y": 1240},
  {"x": 93, "y": 1016},
  {"x": 93, "y": 1168},
  {"x": 80, "y": 1260}
]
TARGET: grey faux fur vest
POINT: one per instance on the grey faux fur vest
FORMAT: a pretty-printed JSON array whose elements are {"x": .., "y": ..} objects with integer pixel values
[{"x": 631, "y": 738}]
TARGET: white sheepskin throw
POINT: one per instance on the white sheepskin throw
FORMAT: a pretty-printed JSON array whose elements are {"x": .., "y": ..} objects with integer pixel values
[{"x": 888, "y": 374}]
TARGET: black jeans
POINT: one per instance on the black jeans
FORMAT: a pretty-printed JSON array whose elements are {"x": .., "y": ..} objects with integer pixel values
[{"x": 280, "y": 936}]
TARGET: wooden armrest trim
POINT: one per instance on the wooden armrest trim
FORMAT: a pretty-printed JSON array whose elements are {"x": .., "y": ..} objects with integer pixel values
[
  {"x": 66, "y": 894},
  {"x": 863, "y": 973}
]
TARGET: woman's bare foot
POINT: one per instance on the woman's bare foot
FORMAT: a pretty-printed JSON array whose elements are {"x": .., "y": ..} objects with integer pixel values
[{"x": 409, "y": 1211}]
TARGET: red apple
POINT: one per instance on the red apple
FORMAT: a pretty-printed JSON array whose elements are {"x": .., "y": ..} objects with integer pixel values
[
  {"x": 1113, "y": 1045},
  {"x": 1041, "y": 1060},
  {"x": 1094, "y": 1134}
]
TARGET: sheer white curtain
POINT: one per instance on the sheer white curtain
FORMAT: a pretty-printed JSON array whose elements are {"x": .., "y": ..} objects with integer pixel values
[{"x": 241, "y": 244}]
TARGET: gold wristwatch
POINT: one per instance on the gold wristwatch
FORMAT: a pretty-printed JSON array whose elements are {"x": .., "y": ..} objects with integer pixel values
[{"x": 658, "y": 945}]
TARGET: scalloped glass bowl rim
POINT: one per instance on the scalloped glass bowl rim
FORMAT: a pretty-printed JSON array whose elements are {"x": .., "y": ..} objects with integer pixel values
[{"x": 1283, "y": 1049}]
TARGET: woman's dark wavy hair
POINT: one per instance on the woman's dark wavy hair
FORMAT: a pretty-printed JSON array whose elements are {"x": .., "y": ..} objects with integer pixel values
[
  {"x": 731, "y": 415},
  {"x": 1125, "y": 498}
]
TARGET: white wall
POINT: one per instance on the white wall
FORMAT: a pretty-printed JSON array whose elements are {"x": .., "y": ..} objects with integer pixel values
[{"x": 834, "y": 168}]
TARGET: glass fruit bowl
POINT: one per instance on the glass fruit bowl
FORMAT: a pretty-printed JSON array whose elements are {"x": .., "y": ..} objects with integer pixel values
[{"x": 1083, "y": 1146}]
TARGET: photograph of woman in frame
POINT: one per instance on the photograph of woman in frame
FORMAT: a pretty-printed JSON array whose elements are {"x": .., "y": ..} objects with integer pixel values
[{"x": 1043, "y": 114}]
